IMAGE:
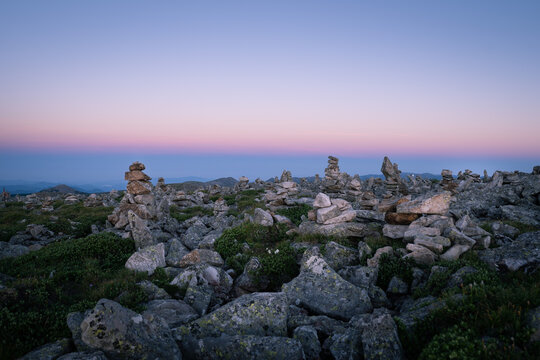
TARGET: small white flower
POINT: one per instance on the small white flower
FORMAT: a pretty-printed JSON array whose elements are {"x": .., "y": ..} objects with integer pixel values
[
  {"x": 277, "y": 250},
  {"x": 270, "y": 251}
]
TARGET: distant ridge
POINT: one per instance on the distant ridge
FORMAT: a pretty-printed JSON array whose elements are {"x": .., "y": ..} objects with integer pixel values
[
  {"x": 194, "y": 185},
  {"x": 61, "y": 189}
]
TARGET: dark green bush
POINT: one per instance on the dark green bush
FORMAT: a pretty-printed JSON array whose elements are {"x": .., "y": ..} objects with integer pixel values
[
  {"x": 390, "y": 266},
  {"x": 69, "y": 275},
  {"x": 279, "y": 264},
  {"x": 295, "y": 213},
  {"x": 457, "y": 342}
]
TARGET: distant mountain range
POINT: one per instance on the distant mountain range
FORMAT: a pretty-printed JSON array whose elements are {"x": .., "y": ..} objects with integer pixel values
[{"x": 187, "y": 183}]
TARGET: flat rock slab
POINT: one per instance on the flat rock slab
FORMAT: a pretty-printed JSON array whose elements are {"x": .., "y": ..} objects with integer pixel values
[
  {"x": 522, "y": 253},
  {"x": 147, "y": 259},
  {"x": 347, "y": 229},
  {"x": 242, "y": 348},
  {"x": 436, "y": 204},
  {"x": 320, "y": 289},
  {"x": 260, "y": 314}
]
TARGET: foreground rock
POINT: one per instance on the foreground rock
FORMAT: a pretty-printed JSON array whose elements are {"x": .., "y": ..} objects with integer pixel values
[
  {"x": 147, "y": 259},
  {"x": 523, "y": 253},
  {"x": 122, "y": 333},
  {"x": 321, "y": 290},
  {"x": 247, "y": 347}
]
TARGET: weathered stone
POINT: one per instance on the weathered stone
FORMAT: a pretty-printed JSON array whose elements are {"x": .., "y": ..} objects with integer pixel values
[
  {"x": 455, "y": 252},
  {"x": 139, "y": 187},
  {"x": 152, "y": 291},
  {"x": 457, "y": 278},
  {"x": 122, "y": 333},
  {"x": 420, "y": 254},
  {"x": 8, "y": 250},
  {"x": 458, "y": 237},
  {"x": 174, "y": 312},
  {"x": 147, "y": 259},
  {"x": 321, "y": 201},
  {"x": 327, "y": 213},
  {"x": 426, "y": 242},
  {"x": 437, "y": 204},
  {"x": 400, "y": 219},
  {"x": 263, "y": 217},
  {"x": 414, "y": 232},
  {"x": 307, "y": 336},
  {"x": 242, "y": 347},
  {"x": 339, "y": 256},
  {"x": 345, "y": 216},
  {"x": 260, "y": 314},
  {"x": 321, "y": 290},
  {"x": 523, "y": 253},
  {"x": 374, "y": 261},
  {"x": 136, "y": 166},
  {"x": 216, "y": 277},
  {"x": 50, "y": 351},
  {"x": 202, "y": 256},
  {"x": 136, "y": 175},
  {"x": 397, "y": 286},
  {"x": 91, "y": 355},
  {"x": 394, "y": 231},
  {"x": 139, "y": 231},
  {"x": 361, "y": 276},
  {"x": 176, "y": 252},
  {"x": 199, "y": 297},
  {"x": 347, "y": 229}
]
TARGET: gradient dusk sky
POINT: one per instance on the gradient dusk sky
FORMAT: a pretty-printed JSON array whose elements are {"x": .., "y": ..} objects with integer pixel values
[{"x": 227, "y": 88}]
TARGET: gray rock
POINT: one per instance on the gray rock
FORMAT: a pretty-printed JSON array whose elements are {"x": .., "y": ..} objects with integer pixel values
[
  {"x": 92, "y": 355},
  {"x": 194, "y": 235},
  {"x": 174, "y": 312},
  {"x": 414, "y": 232},
  {"x": 176, "y": 252},
  {"x": 339, "y": 256},
  {"x": 457, "y": 278},
  {"x": 320, "y": 289},
  {"x": 323, "y": 324},
  {"x": 140, "y": 232},
  {"x": 122, "y": 333},
  {"x": 8, "y": 250},
  {"x": 454, "y": 252},
  {"x": 147, "y": 259},
  {"x": 199, "y": 256},
  {"x": 152, "y": 291},
  {"x": 246, "y": 347},
  {"x": 362, "y": 276},
  {"x": 262, "y": 217},
  {"x": 397, "y": 286},
  {"x": 248, "y": 280},
  {"x": 379, "y": 335},
  {"x": 458, "y": 237},
  {"x": 419, "y": 310},
  {"x": 504, "y": 229},
  {"x": 436, "y": 204},
  {"x": 307, "y": 336},
  {"x": 522, "y": 253},
  {"x": 346, "y": 346},
  {"x": 220, "y": 281},
  {"x": 395, "y": 231},
  {"x": 374, "y": 261},
  {"x": 50, "y": 351},
  {"x": 346, "y": 229},
  {"x": 199, "y": 297},
  {"x": 363, "y": 249},
  {"x": 420, "y": 254},
  {"x": 378, "y": 297},
  {"x": 321, "y": 201},
  {"x": 260, "y": 314}
]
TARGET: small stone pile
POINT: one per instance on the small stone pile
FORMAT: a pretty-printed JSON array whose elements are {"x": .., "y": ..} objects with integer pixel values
[
  {"x": 282, "y": 190},
  {"x": 331, "y": 211},
  {"x": 468, "y": 174},
  {"x": 392, "y": 174},
  {"x": 242, "y": 184},
  {"x": 354, "y": 188},
  {"x": 286, "y": 176},
  {"x": 138, "y": 182},
  {"x": 220, "y": 207}
]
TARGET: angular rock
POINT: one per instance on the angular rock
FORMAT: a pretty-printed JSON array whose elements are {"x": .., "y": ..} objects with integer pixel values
[
  {"x": 50, "y": 351},
  {"x": 397, "y": 286},
  {"x": 307, "y": 336},
  {"x": 199, "y": 297},
  {"x": 263, "y": 217},
  {"x": 91, "y": 355},
  {"x": 420, "y": 254},
  {"x": 152, "y": 291},
  {"x": 327, "y": 213},
  {"x": 139, "y": 187},
  {"x": 345, "y": 216},
  {"x": 455, "y": 252},
  {"x": 400, "y": 219},
  {"x": 522, "y": 253},
  {"x": 437, "y": 204},
  {"x": 321, "y": 201},
  {"x": 394, "y": 231},
  {"x": 410, "y": 234},
  {"x": 347, "y": 229},
  {"x": 174, "y": 312},
  {"x": 139, "y": 231},
  {"x": 321, "y": 290},
  {"x": 176, "y": 252},
  {"x": 458, "y": 237},
  {"x": 220, "y": 281},
  {"x": 339, "y": 256},
  {"x": 260, "y": 314},
  {"x": 122, "y": 333},
  {"x": 374, "y": 261},
  {"x": 147, "y": 259},
  {"x": 198, "y": 256},
  {"x": 361, "y": 276},
  {"x": 246, "y": 347}
]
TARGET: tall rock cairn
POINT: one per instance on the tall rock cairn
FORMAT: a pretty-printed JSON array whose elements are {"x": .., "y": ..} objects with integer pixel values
[
  {"x": 392, "y": 174},
  {"x": 332, "y": 182},
  {"x": 138, "y": 182}
]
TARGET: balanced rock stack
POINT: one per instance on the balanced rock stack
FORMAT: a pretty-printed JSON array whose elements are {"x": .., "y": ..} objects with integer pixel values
[
  {"x": 448, "y": 180},
  {"x": 242, "y": 184},
  {"x": 469, "y": 175},
  {"x": 138, "y": 182},
  {"x": 333, "y": 179},
  {"x": 220, "y": 207},
  {"x": 281, "y": 190},
  {"x": 332, "y": 211},
  {"x": 392, "y": 175},
  {"x": 286, "y": 176},
  {"x": 354, "y": 188}
]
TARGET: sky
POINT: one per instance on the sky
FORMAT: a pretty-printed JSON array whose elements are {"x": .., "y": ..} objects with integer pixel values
[{"x": 231, "y": 88}]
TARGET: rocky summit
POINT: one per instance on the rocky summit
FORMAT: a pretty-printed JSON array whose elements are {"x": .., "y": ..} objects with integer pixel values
[{"x": 333, "y": 268}]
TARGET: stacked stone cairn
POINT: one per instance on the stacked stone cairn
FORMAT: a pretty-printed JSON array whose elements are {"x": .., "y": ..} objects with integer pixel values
[
  {"x": 220, "y": 207},
  {"x": 242, "y": 184},
  {"x": 331, "y": 211},
  {"x": 447, "y": 181},
  {"x": 392, "y": 174},
  {"x": 281, "y": 190},
  {"x": 334, "y": 181}
]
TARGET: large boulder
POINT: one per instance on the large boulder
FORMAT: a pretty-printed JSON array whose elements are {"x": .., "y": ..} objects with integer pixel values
[
  {"x": 147, "y": 259},
  {"x": 522, "y": 253},
  {"x": 321, "y": 290},
  {"x": 198, "y": 256},
  {"x": 204, "y": 274},
  {"x": 124, "y": 334},
  {"x": 262, "y": 217},
  {"x": 174, "y": 312},
  {"x": 339, "y": 256},
  {"x": 436, "y": 204},
  {"x": 139, "y": 231},
  {"x": 260, "y": 314},
  {"x": 345, "y": 229}
]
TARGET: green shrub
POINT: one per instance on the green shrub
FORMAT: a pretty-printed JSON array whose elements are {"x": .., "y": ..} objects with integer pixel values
[
  {"x": 390, "y": 266},
  {"x": 65, "y": 276},
  {"x": 295, "y": 213},
  {"x": 279, "y": 264},
  {"x": 457, "y": 342}
]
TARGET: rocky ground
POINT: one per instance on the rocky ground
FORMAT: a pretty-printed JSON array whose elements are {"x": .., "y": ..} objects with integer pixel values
[{"x": 336, "y": 268}]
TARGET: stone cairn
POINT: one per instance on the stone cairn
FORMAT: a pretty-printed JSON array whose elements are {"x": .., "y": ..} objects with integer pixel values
[
  {"x": 5, "y": 195},
  {"x": 138, "y": 199},
  {"x": 447, "y": 181},
  {"x": 220, "y": 207},
  {"x": 242, "y": 184},
  {"x": 328, "y": 211},
  {"x": 392, "y": 174},
  {"x": 281, "y": 190},
  {"x": 333, "y": 179},
  {"x": 354, "y": 188}
]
